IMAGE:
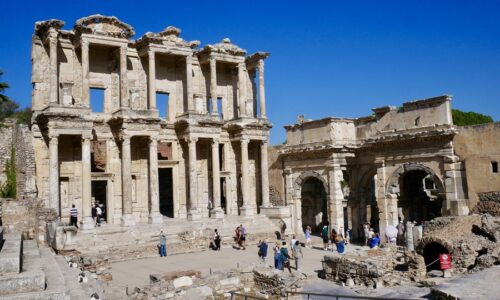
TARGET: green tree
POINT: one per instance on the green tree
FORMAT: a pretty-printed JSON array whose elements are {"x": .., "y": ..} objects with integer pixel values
[
  {"x": 462, "y": 118},
  {"x": 7, "y": 106}
]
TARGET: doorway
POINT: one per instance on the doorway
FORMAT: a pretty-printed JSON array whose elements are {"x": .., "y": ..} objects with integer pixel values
[
  {"x": 223, "y": 194},
  {"x": 100, "y": 196},
  {"x": 314, "y": 204},
  {"x": 166, "y": 192}
]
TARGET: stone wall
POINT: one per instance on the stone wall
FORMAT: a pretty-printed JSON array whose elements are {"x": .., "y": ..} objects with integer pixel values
[
  {"x": 25, "y": 162},
  {"x": 5, "y": 148},
  {"x": 478, "y": 146},
  {"x": 276, "y": 188}
]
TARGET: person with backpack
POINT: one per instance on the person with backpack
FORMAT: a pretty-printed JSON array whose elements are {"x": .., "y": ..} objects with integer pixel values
[
  {"x": 285, "y": 257},
  {"x": 324, "y": 235}
]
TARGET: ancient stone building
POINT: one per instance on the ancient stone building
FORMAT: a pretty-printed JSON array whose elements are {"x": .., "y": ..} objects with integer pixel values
[
  {"x": 396, "y": 164},
  {"x": 147, "y": 128}
]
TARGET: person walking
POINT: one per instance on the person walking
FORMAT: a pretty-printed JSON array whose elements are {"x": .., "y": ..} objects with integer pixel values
[
  {"x": 333, "y": 237},
  {"x": 237, "y": 239},
  {"x": 285, "y": 257},
  {"x": 283, "y": 229},
  {"x": 73, "y": 216},
  {"x": 94, "y": 214},
  {"x": 216, "y": 240},
  {"x": 243, "y": 236},
  {"x": 324, "y": 235},
  {"x": 296, "y": 249},
  {"x": 263, "y": 251},
  {"x": 366, "y": 232},
  {"x": 163, "y": 244},
  {"x": 278, "y": 262},
  {"x": 308, "y": 236}
]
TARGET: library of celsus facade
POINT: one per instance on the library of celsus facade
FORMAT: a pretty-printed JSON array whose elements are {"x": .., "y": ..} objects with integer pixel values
[{"x": 148, "y": 128}]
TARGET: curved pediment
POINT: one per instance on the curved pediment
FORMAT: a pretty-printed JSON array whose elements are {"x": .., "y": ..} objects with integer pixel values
[
  {"x": 168, "y": 37},
  {"x": 43, "y": 27},
  {"x": 104, "y": 25}
]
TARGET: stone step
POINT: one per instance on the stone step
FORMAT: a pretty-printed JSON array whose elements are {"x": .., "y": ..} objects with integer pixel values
[
  {"x": 10, "y": 256},
  {"x": 29, "y": 281}
]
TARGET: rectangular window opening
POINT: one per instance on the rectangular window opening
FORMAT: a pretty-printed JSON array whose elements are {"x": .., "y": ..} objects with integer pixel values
[
  {"x": 219, "y": 108},
  {"x": 210, "y": 109},
  {"x": 494, "y": 167},
  {"x": 221, "y": 157},
  {"x": 162, "y": 104},
  {"x": 97, "y": 99}
]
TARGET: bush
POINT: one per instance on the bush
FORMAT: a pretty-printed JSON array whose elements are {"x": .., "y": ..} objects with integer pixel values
[
  {"x": 8, "y": 188},
  {"x": 461, "y": 118}
]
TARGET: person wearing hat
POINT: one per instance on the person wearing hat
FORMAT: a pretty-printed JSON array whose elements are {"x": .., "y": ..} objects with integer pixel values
[{"x": 163, "y": 244}]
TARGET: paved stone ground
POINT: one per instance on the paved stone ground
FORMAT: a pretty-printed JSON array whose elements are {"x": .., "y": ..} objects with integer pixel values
[{"x": 135, "y": 273}]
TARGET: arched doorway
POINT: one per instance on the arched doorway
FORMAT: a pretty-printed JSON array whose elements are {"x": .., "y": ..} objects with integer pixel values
[
  {"x": 364, "y": 208},
  {"x": 431, "y": 253},
  {"x": 419, "y": 198},
  {"x": 314, "y": 204}
]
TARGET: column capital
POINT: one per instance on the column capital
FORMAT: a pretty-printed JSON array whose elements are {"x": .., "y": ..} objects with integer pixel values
[
  {"x": 191, "y": 139},
  {"x": 86, "y": 136},
  {"x": 260, "y": 65},
  {"x": 215, "y": 142},
  {"x": 53, "y": 137},
  {"x": 125, "y": 137},
  {"x": 244, "y": 140},
  {"x": 212, "y": 59},
  {"x": 264, "y": 142},
  {"x": 151, "y": 53},
  {"x": 84, "y": 43},
  {"x": 189, "y": 58},
  {"x": 153, "y": 138}
]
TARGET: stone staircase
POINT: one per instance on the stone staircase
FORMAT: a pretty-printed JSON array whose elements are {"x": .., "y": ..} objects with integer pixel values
[
  {"x": 114, "y": 242},
  {"x": 25, "y": 273}
]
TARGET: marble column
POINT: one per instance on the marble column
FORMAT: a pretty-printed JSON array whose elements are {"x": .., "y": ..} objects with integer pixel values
[
  {"x": 85, "y": 73},
  {"x": 194, "y": 213},
  {"x": 213, "y": 85},
  {"x": 124, "y": 99},
  {"x": 53, "y": 66},
  {"x": 264, "y": 176},
  {"x": 242, "y": 90},
  {"x": 154, "y": 199},
  {"x": 246, "y": 209},
  {"x": 127, "y": 217},
  {"x": 217, "y": 211},
  {"x": 262, "y": 91},
  {"x": 335, "y": 198},
  {"x": 54, "y": 173},
  {"x": 189, "y": 83},
  {"x": 87, "y": 221},
  {"x": 151, "y": 79}
]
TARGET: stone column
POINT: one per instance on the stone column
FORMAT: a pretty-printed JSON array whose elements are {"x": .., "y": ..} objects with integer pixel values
[
  {"x": 410, "y": 245},
  {"x": 213, "y": 85},
  {"x": 124, "y": 103},
  {"x": 189, "y": 83},
  {"x": 335, "y": 198},
  {"x": 85, "y": 73},
  {"x": 53, "y": 66},
  {"x": 242, "y": 90},
  {"x": 217, "y": 211},
  {"x": 194, "y": 213},
  {"x": 262, "y": 91},
  {"x": 381, "y": 197},
  {"x": 151, "y": 79},
  {"x": 54, "y": 173},
  {"x": 264, "y": 174},
  {"x": 87, "y": 221},
  {"x": 154, "y": 200},
  {"x": 245, "y": 209},
  {"x": 127, "y": 217}
]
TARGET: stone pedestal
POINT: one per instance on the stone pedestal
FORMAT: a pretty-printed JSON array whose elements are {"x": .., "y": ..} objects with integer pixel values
[
  {"x": 155, "y": 218},
  {"x": 127, "y": 220},
  {"x": 247, "y": 211},
  {"x": 217, "y": 213},
  {"x": 87, "y": 223},
  {"x": 194, "y": 215}
]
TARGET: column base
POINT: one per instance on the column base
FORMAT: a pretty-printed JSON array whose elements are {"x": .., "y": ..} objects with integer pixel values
[
  {"x": 88, "y": 223},
  {"x": 194, "y": 215},
  {"x": 155, "y": 218},
  {"x": 247, "y": 211},
  {"x": 217, "y": 213},
  {"x": 127, "y": 220}
]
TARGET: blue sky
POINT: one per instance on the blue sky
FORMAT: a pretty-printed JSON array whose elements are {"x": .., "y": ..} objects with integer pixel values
[{"x": 328, "y": 58}]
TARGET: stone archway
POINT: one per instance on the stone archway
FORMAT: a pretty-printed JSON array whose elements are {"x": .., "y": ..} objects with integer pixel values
[
  {"x": 418, "y": 191},
  {"x": 310, "y": 194},
  {"x": 364, "y": 206}
]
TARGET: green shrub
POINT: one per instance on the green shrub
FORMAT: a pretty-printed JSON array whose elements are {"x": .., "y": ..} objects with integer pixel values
[{"x": 8, "y": 188}]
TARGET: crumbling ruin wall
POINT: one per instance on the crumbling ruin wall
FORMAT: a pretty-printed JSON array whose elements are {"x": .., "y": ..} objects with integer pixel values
[
  {"x": 473, "y": 241},
  {"x": 25, "y": 162},
  {"x": 489, "y": 203},
  {"x": 479, "y": 146}
]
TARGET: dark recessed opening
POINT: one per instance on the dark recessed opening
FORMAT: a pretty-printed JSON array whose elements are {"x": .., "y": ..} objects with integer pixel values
[{"x": 494, "y": 167}]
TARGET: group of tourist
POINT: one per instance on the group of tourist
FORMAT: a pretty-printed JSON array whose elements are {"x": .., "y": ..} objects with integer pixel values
[
  {"x": 282, "y": 254},
  {"x": 96, "y": 213},
  {"x": 372, "y": 239},
  {"x": 240, "y": 236},
  {"x": 333, "y": 238}
]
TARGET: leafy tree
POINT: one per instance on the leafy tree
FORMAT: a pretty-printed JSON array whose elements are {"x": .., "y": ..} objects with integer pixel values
[
  {"x": 23, "y": 116},
  {"x": 461, "y": 118},
  {"x": 7, "y": 106}
]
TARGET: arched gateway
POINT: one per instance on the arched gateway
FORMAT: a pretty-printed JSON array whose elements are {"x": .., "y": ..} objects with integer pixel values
[{"x": 311, "y": 188}]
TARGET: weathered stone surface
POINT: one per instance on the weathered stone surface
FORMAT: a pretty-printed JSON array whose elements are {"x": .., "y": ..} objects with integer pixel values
[
  {"x": 182, "y": 282},
  {"x": 199, "y": 293}
]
